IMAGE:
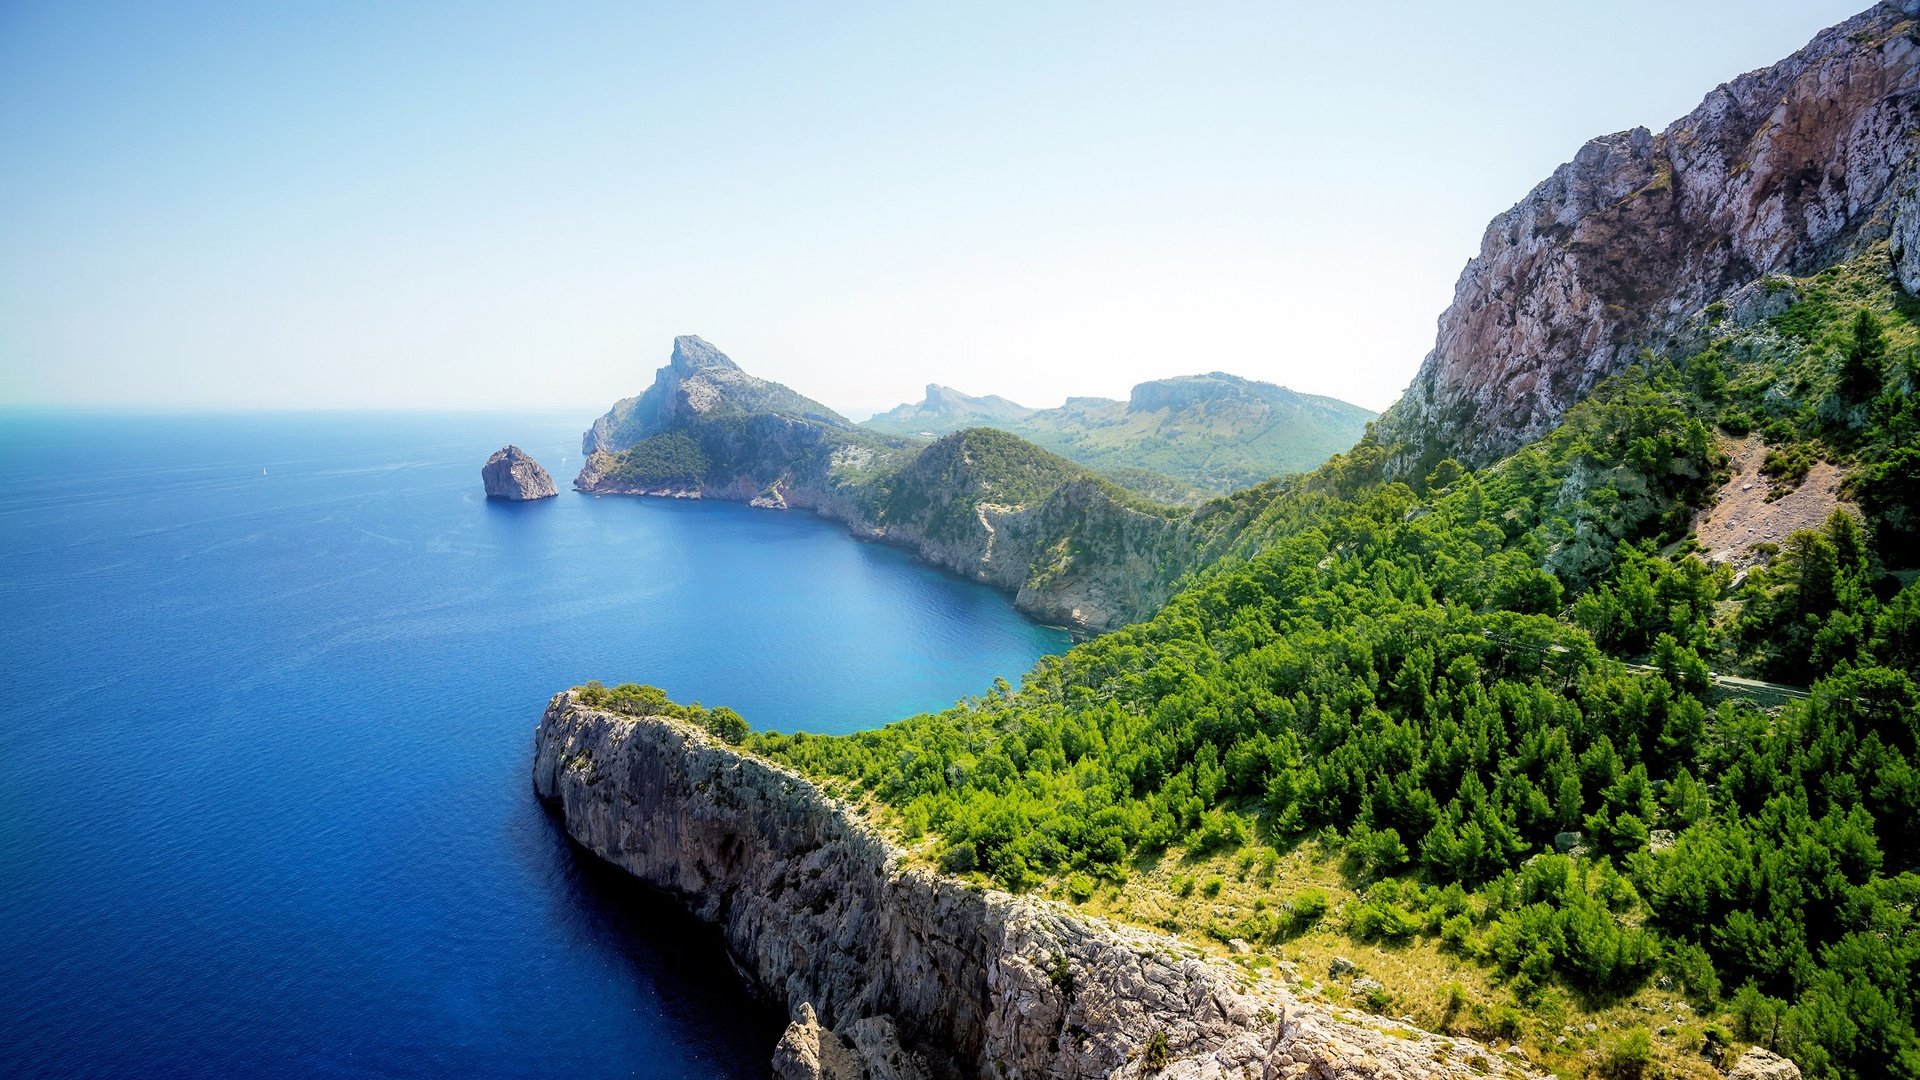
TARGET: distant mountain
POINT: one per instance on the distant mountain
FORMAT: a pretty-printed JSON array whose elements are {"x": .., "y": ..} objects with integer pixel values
[
  {"x": 945, "y": 410},
  {"x": 700, "y": 382},
  {"x": 1208, "y": 433},
  {"x": 1074, "y": 547}
]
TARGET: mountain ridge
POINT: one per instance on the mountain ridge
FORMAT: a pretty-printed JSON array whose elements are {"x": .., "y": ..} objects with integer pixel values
[{"x": 1213, "y": 432}]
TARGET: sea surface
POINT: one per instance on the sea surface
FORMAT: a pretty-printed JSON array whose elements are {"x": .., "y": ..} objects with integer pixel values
[{"x": 268, "y": 686}]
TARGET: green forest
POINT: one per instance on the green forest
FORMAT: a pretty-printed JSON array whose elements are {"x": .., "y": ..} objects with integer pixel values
[
  {"x": 1493, "y": 694},
  {"x": 670, "y": 458}
]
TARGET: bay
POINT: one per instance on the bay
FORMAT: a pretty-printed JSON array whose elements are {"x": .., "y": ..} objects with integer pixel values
[{"x": 268, "y": 684}]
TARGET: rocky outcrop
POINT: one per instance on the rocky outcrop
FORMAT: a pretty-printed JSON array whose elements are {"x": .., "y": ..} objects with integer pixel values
[
  {"x": 1906, "y": 237},
  {"x": 511, "y": 473},
  {"x": 1760, "y": 1064},
  {"x": 699, "y": 382},
  {"x": 1784, "y": 170},
  {"x": 891, "y": 970}
]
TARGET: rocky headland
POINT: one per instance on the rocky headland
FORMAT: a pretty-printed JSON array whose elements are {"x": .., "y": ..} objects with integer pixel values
[
  {"x": 1787, "y": 169},
  {"x": 891, "y": 970},
  {"x": 511, "y": 473},
  {"x": 1070, "y": 545}
]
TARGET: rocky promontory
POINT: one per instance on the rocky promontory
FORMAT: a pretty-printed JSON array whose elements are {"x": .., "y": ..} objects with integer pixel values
[
  {"x": 511, "y": 473},
  {"x": 888, "y": 969},
  {"x": 1071, "y": 546},
  {"x": 1788, "y": 169}
]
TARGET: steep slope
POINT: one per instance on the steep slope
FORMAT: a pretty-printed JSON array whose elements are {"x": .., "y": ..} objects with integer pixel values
[
  {"x": 708, "y": 429},
  {"x": 1213, "y": 432},
  {"x": 1783, "y": 170},
  {"x": 922, "y": 975},
  {"x": 1068, "y": 543},
  {"x": 1497, "y": 740},
  {"x": 1491, "y": 728},
  {"x": 699, "y": 383}
]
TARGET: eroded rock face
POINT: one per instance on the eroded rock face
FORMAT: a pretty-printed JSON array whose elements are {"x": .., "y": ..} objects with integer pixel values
[
  {"x": 894, "y": 971},
  {"x": 1788, "y": 169},
  {"x": 511, "y": 473}
]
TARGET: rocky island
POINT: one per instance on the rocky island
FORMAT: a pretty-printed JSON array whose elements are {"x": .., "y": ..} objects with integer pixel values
[{"x": 512, "y": 474}]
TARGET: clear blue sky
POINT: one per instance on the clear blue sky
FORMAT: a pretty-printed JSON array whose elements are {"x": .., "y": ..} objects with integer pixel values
[{"x": 472, "y": 205}]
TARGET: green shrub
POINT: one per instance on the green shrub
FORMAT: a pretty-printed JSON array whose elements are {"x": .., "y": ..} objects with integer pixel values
[
  {"x": 1079, "y": 888},
  {"x": 1156, "y": 1055},
  {"x": 1628, "y": 1056}
]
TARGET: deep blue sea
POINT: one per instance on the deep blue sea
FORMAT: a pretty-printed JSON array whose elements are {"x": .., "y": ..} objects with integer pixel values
[{"x": 268, "y": 686}]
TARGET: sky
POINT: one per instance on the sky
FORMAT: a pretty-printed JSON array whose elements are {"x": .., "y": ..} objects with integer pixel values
[{"x": 474, "y": 205}]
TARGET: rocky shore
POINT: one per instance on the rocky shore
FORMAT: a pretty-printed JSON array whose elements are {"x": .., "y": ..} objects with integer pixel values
[{"x": 890, "y": 970}]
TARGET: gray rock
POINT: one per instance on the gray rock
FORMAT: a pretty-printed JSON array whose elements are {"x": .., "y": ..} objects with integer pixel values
[
  {"x": 885, "y": 966},
  {"x": 1572, "y": 843},
  {"x": 1788, "y": 169},
  {"x": 870, "y": 1050},
  {"x": 1759, "y": 1064},
  {"x": 1341, "y": 965},
  {"x": 1906, "y": 237},
  {"x": 511, "y": 473}
]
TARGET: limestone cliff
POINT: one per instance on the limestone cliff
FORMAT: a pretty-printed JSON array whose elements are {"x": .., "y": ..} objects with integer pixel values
[
  {"x": 1784, "y": 170},
  {"x": 511, "y": 473},
  {"x": 892, "y": 970},
  {"x": 699, "y": 382}
]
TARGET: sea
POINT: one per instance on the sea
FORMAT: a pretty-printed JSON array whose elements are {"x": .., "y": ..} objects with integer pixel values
[{"x": 268, "y": 687}]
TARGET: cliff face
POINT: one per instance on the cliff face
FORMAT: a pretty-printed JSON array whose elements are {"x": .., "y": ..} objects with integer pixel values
[
  {"x": 891, "y": 970},
  {"x": 1788, "y": 169},
  {"x": 511, "y": 473},
  {"x": 699, "y": 382}
]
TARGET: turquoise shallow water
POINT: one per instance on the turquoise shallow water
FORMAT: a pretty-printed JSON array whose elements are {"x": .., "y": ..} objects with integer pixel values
[{"x": 267, "y": 692}]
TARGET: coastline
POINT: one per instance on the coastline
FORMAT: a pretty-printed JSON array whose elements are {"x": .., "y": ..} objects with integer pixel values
[
  {"x": 897, "y": 970},
  {"x": 1085, "y": 601}
]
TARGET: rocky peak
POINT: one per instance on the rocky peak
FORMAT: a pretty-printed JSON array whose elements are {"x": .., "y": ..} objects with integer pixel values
[
  {"x": 1787, "y": 169},
  {"x": 945, "y": 408},
  {"x": 511, "y": 473},
  {"x": 698, "y": 382},
  {"x": 941, "y": 395},
  {"x": 693, "y": 354}
]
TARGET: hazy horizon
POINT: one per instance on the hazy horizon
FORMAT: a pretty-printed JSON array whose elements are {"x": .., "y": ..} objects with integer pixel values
[{"x": 442, "y": 207}]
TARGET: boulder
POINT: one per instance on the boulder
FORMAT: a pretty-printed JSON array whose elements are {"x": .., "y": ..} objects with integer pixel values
[
  {"x": 1758, "y": 1064},
  {"x": 511, "y": 473}
]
